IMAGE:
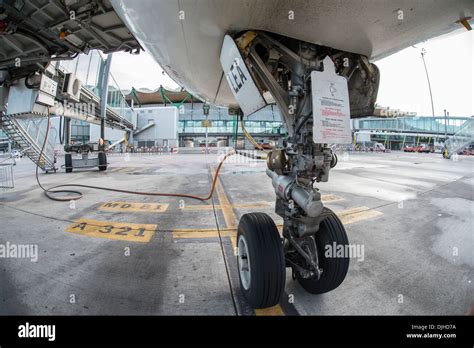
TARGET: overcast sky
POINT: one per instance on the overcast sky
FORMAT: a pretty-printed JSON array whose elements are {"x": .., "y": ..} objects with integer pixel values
[{"x": 403, "y": 83}]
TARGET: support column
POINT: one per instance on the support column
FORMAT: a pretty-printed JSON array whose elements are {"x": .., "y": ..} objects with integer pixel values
[
  {"x": 104, "y": 88},
  {"x": 67, "y": 131}
]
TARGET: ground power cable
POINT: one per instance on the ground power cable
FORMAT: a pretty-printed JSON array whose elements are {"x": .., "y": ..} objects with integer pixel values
[{"x": 50, "y": 192}]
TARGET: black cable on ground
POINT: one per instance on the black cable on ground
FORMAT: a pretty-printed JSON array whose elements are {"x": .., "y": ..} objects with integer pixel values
[{"x": 78, "y": 195}]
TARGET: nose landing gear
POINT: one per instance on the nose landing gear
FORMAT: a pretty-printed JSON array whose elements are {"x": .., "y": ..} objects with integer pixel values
[{"x": 317, "y": 89}]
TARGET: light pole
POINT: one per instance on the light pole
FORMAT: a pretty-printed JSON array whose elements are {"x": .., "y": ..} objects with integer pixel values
[{"x": 423, "y": 52}]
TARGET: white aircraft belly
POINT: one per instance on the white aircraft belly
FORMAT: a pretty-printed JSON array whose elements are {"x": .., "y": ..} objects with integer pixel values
[{"x": 189, "y": 49}]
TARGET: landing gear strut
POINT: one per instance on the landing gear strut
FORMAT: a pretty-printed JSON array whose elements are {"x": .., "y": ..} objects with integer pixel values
[{"x": 285, "y": 69}]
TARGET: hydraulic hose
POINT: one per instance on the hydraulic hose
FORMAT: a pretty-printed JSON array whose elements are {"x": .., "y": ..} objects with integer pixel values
[
  {"x": 50, "y": 192},
  {"x": 249, "y": 137}
]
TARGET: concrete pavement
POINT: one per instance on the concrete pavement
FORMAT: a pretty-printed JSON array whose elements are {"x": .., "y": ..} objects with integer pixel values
[{"x": 114, "y": 253}]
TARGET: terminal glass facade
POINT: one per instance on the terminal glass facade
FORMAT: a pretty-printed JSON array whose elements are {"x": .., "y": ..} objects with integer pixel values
[{"x": 264, "y": 121}]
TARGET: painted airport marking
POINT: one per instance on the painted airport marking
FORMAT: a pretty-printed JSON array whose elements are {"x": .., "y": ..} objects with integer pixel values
[
  {"x": 146, "y": 207},
  {"x": 203, "y": 232},
  {"x": 270, "y": 311},
  {"x": 347, "y": 217},
  {"x": 353, "y": 215},
  {"x": 331, "y": 198},
  {"x": 229, "y": 215},
  {"x": 124, "y": 231},
  {"x": 124, "y": 169},
  {"x": 257, "y": 205},
  {"x": 135, "y": 207}
]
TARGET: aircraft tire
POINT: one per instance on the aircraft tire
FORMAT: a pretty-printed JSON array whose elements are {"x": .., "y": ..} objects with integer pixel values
[
  {"x": 334, "y": 268},
  {"x": 260, "y": 260}
]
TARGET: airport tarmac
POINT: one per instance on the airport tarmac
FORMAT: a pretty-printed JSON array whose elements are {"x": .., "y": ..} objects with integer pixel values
[{"x": 113, "y": 253}]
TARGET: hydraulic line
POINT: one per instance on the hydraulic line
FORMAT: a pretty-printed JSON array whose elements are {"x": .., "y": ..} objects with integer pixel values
[
  {"x": 50, "y": 192},
  {"x": 249, "y": 137}
]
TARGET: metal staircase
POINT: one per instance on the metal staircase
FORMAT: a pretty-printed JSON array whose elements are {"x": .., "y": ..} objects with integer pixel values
[
  {"x": 462, "y": 138},
  {"x": 28, "y": 135}
]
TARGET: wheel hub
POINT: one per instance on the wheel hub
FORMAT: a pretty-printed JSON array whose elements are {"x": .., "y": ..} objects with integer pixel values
[{"x": 244, "y": 263}]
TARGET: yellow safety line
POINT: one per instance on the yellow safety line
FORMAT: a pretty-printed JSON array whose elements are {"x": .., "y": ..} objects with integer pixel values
[
  {"x": 235, "y": 206},
  {"x": 353, "y": 215},
  {"x": 347, "y": 217},
  {"x": 229, "y": 215},
  {"x": 270, "y": 311}
]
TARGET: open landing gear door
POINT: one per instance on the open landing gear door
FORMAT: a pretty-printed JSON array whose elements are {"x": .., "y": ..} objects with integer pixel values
[{"x": 239, "y": 79}]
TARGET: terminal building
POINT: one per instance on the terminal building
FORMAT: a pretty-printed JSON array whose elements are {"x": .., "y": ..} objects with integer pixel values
[
  {"x": 164, "y": 118},
  {"x": 193, "y": 122}
]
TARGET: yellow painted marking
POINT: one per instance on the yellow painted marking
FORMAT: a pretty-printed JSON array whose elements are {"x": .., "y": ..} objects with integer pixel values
[
  {"x": 235, "y": 206},
  {"x": 229, "y": 215},
  {"x": 113, "y": 230},
  {"x": 123, "y": 169},
  {"x": 350, "y": 216},
  {"x": 331, "y": 198},
  {"x": 270, "y": 311},
  {"x": 195, "y": 234},
  {"x": 135, "y": 207},
  {"x": 256, "y": 205},
  {"x": 203, "y": 232},
  {"x": 347, "y": 217}
]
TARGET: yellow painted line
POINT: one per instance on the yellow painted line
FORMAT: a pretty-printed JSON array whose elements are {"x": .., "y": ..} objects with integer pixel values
[
  {"x": 347, "y": 217},
  {"x": 270, "y": 311},
  {"x": 198, "y": 207},
  {"x": 331, "y": 198},
  {"x": 203, "y": 232},
  {"x": 195, "y": 234},
  {"x": 113, "y": 230},
  {"x": 229, "y": 215},
  {"x": 351, "y": 216},
  {"x": 256, "y": 205},
  {"x": 135, "y": 207},
  {"x": 123, "y": 169}
]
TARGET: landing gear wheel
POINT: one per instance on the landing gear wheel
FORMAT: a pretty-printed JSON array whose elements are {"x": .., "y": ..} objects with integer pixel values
[
  {"x": 334, "y": 160},
  {"x": 335, "y": 269},
  {"x": 68, "y": 163},
  {"x": 260, "y": 259},
  {"x": 102, "y": 161}
]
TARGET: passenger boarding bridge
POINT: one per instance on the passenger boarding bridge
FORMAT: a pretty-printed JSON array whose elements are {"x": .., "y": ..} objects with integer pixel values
[{"x": 398, "y": 132}]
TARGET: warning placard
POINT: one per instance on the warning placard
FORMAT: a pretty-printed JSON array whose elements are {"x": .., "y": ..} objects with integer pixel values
[{"x": 331, "y": 109}]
